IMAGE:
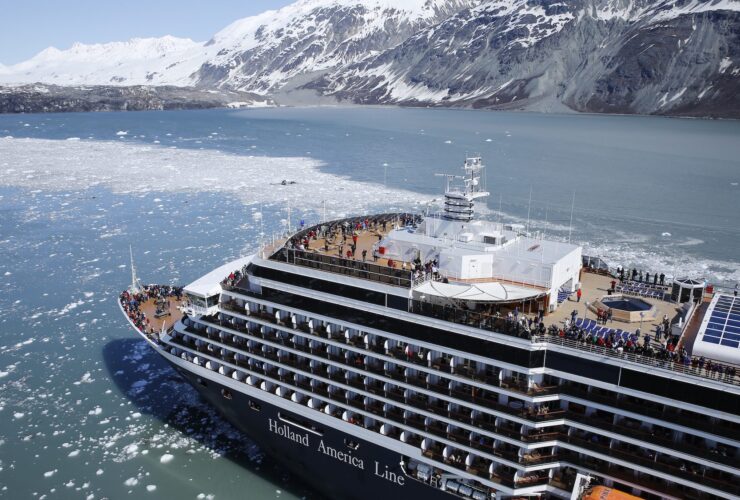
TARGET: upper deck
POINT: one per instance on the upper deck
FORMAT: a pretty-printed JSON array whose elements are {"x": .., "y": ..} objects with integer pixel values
[{"x": 324, "y": 248}]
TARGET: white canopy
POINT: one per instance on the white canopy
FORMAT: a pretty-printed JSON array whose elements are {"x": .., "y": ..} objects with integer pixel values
[
  {"x": 482, "y": 292},
  {"x": 210, "y": 284}
]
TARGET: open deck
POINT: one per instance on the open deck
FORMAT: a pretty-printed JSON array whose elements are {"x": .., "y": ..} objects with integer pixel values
[
  {"x": 324, "y": 247},
  {"x": 154, "y": 309}
]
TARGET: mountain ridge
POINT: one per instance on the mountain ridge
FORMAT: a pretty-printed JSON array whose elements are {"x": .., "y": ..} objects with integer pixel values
[{"x": 675, "y": 57}]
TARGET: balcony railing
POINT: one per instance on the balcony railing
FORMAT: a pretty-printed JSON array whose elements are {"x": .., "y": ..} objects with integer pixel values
[
  {"x": 665, "y": 364},
  {"x": 715, "y": 481},
  {"x": 466, "y": 395}
]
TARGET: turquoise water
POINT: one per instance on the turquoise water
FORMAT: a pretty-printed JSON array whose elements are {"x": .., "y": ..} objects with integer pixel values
[{"x": 86, "y": 410}]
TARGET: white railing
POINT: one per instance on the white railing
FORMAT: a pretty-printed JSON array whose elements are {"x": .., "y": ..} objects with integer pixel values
[{"x": 665, "y": 364}]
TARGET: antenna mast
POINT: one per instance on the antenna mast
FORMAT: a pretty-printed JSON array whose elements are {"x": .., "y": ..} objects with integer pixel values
[
  {"x": 135, "y": 286},
  {"x": 572, "y": 206},
  {"x": 460, "y": 199}
]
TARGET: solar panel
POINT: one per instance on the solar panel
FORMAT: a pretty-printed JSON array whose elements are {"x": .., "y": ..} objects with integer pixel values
[{"x": 723, "y": 327}]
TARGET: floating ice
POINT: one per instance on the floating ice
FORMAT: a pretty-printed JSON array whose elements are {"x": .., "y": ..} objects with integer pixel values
[
  {"x": 131, "y": 450},
  {"x": 140, "y": 168},
  {"x": 666, "y": 235},
  {"x": 50, "y": 473},
  {"x": 166, "y": 458},
  {"x": 132, "y": 481},
  {"x": 73, "y": 453},
  {"x": 121, "y": 133},
  {"x": 18, "y": 414},
  {"x": 151, "y": 487},
  {"x": 87, "y": 379}
]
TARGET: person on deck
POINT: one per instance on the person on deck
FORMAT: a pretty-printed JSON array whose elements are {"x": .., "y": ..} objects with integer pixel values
[{"x": 578, "y": 295}]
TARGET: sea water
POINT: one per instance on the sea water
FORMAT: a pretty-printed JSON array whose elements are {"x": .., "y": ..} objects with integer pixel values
[{"x": 87, "y": 411}]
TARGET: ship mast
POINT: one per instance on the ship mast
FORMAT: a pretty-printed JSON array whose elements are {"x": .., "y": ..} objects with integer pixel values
[
  {"x": 460, "y": 200},
  {"x": 135, "y": 286}
]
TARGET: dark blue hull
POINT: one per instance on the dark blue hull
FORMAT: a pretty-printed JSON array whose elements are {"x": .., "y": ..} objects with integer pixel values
[{"x": 328, "y": 461}]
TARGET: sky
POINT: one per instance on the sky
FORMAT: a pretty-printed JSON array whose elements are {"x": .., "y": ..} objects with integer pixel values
[{"x": 29, "y": 26}]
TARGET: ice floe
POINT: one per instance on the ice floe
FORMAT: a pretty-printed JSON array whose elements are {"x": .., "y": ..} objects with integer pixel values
[{"x": 138, "y": 168}]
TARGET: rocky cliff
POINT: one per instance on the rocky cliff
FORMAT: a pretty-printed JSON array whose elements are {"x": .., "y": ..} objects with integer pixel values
[{"x": 672, "y": 57}]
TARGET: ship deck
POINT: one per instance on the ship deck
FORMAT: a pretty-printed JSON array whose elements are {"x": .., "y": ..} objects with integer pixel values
[
  {"x": 171, "y": 316},
  {"x": 320, "y": 247},
  {"x": 593, "y": 286}
]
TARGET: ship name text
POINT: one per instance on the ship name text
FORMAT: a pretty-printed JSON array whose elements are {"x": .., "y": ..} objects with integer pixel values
[
  {"x": 285, "y": 431},
  {"x": 342, "y": 456}
]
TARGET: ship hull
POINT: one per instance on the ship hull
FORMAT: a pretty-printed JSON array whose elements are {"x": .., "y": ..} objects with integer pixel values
[{"x": 325, "y": 462}]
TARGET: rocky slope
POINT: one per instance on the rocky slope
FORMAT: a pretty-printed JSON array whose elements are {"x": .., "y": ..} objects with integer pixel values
[
  {"x": 675, "y": 57},
  {"x": 256, "y": 54},
  {"x": 39, "y": 98},
  {"x": 678, "y": 57}
]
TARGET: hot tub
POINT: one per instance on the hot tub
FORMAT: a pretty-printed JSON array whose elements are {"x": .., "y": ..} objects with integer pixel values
[{"x": 625, "y": 308}]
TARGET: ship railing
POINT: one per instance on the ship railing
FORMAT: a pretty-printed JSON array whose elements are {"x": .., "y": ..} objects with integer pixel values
[
  {"x": 665, "y": 364},
  {"x": 346, "y": 267},
  {"x": 278, "y": 241}
]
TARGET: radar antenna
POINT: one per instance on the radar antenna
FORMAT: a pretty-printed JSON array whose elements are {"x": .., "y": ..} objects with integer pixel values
[
  {"x": 135, "y": 286},
  {"x": 460, "y": 199}
]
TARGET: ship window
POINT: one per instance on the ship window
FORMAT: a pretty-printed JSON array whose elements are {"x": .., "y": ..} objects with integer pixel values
[
  {"x": 416, "y": 331},
  {"x": 226, "y": 393},
  {"x": 351, "y": 444},
  {"x": 195, "y": 300},
  {"x": 212, "y": 300},
  {"x": 254, "y": 406}
]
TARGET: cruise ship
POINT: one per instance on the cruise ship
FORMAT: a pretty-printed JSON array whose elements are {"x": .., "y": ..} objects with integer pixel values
[{"x": 444, "y": 356}]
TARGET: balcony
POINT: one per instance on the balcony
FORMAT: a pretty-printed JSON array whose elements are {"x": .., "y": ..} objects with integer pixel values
[
  {"x": 632, "y": 476},
  {"x": 651, "y": 460},
  {"x": 463, "y": 394}
]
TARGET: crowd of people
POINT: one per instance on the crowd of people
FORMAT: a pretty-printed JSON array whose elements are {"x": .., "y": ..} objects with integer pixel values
[
  {"x": 668, "y": 351},
  {"x": 234, "y": 278},
  {"x": 344, "y": 235},
  {"x": 637, "y": 275},
  {"x": 131, "y": 304}
]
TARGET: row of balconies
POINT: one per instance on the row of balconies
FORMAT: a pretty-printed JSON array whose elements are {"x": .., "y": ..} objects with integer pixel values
[
  {"x": 442, "y": 362},
  {"x": 393, "y": 413},
  {"x": 472, "y": 463},
  {"x": 492, "y": 470},
  {"x": 470, "y": 394},
  {"x": 487, "y": 374},
  {"x": 662, "y": 462},
  {"x": 397, "y": 374}
]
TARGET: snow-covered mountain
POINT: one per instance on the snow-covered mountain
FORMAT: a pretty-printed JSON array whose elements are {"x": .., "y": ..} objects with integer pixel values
[
  {"x": 624, "y": 56},
  {"x": 257, "y": 54},
  {"x": 140, "y": 61}
]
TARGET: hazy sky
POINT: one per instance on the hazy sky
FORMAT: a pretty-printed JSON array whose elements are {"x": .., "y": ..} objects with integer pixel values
[{"x": 29, "y": 26}]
